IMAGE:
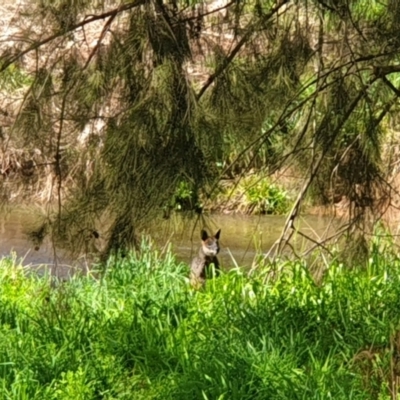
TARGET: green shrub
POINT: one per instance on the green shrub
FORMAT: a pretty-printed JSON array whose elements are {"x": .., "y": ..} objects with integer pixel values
[
  {"x": 263, "y": 197},
  {"x": 140, "y": 331},
  {"x": 185, "y": 198},
  {"x": 13, "y": 78}
]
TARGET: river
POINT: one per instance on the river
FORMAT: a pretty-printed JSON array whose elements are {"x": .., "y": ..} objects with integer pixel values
[{"x": 243, "y": 238}]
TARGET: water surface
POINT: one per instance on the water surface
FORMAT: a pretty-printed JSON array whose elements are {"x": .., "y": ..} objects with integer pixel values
[{"x": 242, "y": 237}]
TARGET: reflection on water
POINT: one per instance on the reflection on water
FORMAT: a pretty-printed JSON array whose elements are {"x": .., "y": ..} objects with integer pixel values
[{"x": 242, "y": 237}]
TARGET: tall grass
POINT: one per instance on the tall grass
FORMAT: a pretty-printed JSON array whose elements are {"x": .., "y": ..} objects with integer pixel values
[{"x": 140, "y": 332}]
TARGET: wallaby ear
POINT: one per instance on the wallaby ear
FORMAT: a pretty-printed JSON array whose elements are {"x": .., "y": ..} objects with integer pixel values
[
  {"x": 204, "y": 235},
  {"x": 217, "y": 234}
]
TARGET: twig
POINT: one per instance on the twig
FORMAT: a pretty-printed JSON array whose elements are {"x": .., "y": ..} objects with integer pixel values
[
  {"x": 102, "y": 35},
  {"x": 80, "y": 24},
  {"x": 208, "y": 12},
  {"x": 249, "y": 31},
  {"x": 289, "y": 225}
]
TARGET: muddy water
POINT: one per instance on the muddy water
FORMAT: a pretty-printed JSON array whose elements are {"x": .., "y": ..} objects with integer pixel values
[
  {"x": 15, "y": 223},
  {"x": 242, "y": 237}
]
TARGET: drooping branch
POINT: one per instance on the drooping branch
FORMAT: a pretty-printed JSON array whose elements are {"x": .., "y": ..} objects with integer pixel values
[
  {"x": 125, "y": 7},
  {"x": 391, "y": 86},
  {"x": 250, "y": 29},
  {"x": 289, "y": 228},
  {"x": 207, "y": 13}
]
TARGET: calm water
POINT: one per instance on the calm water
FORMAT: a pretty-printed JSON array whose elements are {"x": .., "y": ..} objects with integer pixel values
[
  {"x": 14, "y": 241},
  {"x": 242, "y": 237}
]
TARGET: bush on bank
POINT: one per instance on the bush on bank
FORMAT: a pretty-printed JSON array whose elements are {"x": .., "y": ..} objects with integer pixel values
[{"x": 139, "y": 331}]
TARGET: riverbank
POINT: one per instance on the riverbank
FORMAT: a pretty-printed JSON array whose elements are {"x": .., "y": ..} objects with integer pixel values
[{"x": 139, "y": 331}]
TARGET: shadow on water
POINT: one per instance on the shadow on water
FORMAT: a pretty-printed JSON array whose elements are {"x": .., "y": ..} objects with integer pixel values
[{"x": 242, "y": 237}]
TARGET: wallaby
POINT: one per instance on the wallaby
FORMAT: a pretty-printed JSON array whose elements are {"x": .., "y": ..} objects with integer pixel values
[{"x": 207, "y": 255}]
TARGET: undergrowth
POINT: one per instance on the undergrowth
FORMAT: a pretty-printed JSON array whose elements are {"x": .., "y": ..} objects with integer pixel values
[
  {"x": 138, "y": 331},
  {"x": 253, "y": 194}
]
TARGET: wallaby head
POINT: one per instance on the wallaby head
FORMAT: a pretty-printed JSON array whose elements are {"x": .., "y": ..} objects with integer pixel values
[{"x": 209, "y": 244}]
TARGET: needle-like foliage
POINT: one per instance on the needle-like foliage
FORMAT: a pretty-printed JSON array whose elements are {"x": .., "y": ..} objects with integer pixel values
[{"x": 115, "y": 103}]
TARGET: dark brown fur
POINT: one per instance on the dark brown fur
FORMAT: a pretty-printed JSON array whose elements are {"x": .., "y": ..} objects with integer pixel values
[{"x": 207, "y": 255}]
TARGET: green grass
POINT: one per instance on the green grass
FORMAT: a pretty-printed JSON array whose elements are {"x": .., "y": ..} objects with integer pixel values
[{"x": 140, "y": 332}]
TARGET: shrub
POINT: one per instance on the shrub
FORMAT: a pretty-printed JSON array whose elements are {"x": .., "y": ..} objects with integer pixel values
[{"x": 140, "y": 331}]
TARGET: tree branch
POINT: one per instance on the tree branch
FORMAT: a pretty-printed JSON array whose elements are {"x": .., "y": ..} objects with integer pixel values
[
  {"x": 391, "y": 86},
  {"x": 208, "y": 12},
  {"x": 380, "y": 71},
  {"x": 289, "y": 228},
  {"x": 235, "y": 51},
  {"x": 35, "y": 46}
]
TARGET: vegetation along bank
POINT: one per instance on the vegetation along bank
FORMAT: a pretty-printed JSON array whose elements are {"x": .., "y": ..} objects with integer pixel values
[{"x": 137, "y": 330}]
